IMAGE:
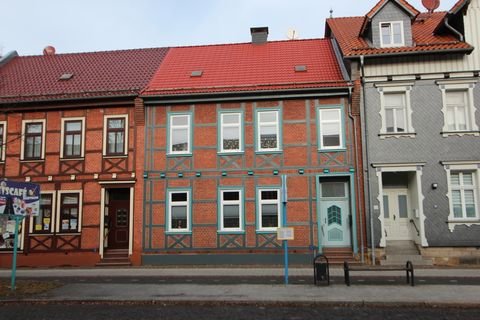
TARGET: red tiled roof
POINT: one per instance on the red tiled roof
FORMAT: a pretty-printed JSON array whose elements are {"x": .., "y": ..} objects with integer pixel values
[
  {"x": 458, "y": 6},
  {"x": 95, "y": 74},
  {"x": 247, "y": 67},
  {"x": 346, "y": 31},
  {"x": 381, "y": 3}
]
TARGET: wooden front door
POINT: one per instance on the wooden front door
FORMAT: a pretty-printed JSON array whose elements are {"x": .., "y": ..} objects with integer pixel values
[
  {"x": 396, "y": 214},
  {"x": 118, "y": 220}
]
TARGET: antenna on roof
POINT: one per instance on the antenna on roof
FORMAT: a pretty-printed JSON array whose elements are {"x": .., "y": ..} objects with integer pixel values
[
  {"x": 331, "y": 13},
  {"x": 431, "y": 5},
  {"x": 292, "y": 34}
]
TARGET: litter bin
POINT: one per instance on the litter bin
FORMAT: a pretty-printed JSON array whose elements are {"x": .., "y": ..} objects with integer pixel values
[{"x": 321, "y": 269}]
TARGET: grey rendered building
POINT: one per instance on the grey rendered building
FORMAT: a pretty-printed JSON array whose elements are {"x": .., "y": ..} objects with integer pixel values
[{"x": 417, "y": 77}]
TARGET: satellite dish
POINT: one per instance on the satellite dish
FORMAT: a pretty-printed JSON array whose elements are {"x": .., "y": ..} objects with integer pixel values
[
  {"x": 431, "y": 5},
  {"x": 292, "y": 34}
]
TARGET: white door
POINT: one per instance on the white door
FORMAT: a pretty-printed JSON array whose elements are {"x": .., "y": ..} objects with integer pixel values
[
  {"x": 334, "y": 221},
  {"x": 396, "y": 214}
]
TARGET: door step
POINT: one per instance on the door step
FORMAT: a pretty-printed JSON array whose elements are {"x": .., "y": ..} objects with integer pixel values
[
  {"x": 399, "y": 252},
  {"x": 115, "y": 258},
  {"x": 337, "y": 256}
]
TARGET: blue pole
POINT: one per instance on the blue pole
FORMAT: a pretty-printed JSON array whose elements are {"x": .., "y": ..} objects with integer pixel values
[
  {"x": 14, "y": 258},
  {"x": 284, "y": 224}
]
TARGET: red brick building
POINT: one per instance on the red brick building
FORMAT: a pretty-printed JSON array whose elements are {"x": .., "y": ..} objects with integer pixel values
[
  {"x": 223, "y": 124},
  {"x": 73, "y": 124}
]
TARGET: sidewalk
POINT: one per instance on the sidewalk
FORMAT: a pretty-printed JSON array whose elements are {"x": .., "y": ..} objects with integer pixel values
[{"x": 307, "y": 293}]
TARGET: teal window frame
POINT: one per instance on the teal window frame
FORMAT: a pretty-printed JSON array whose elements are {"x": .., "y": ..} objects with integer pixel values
[
  {"x": 168, "y": 209},
  {"x": 220, "y": 126},
  {"x": 258, "y": 206},
  {"x": 188, "y": 152},
  {"x": 279, "y": 131},
  {"x": 241, "y": 203},
  {"x": 342, "y": 146}
]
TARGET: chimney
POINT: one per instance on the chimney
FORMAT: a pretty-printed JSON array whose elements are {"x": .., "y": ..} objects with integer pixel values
[
  {"x": 259, "y": 35},
  {"x": 49, "y": 51}
]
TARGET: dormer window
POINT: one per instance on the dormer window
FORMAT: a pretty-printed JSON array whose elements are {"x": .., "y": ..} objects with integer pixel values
[{"x": 391, "y": 34}]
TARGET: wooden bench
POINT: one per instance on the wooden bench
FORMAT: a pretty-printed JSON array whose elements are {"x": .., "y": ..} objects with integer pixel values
[{"x": 408, "y": 268}]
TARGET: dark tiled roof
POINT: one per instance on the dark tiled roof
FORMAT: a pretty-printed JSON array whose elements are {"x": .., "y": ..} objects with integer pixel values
[
  {"x": 247, "y": 67},
  {"x": 94, "y": 74}
]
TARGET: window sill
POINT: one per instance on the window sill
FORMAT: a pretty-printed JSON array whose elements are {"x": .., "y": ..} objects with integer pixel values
[
  {"x": 76, "y": 233},
  {"x": 72, "y": 159},
  {"x": 467, "y": 222},
  {"x": 31, "y": 160},
  {"x": 397, "y": 135},
  {"x": 268, "y": 151},
  {"x": 460, "y": 133},
  {"x": 266, "y": 231},
  {"x": 106, "y": 156},
  {"x": 172, "y": 233},
  {"x": 173, "y": 155},
  {"x": 332, "y": 150},
  {"x": 230, "y": 153},
  {"x": 227, "y": 232}
]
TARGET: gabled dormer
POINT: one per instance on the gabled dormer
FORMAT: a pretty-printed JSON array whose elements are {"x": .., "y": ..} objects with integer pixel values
[{"x": 389, "y": 24}]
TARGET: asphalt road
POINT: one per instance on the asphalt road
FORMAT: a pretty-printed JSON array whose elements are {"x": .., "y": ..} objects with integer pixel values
[
  {"x": 200, "y": 311},
  {"x": 355, "y": 280}
]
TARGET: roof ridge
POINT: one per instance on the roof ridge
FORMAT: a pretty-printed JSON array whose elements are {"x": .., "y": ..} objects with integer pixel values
[
  {"x": 96, "y": 52},
  {"x": 245, "y": 43}
]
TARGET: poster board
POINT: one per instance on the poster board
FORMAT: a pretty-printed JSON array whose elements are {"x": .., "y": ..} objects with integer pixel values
[{"x": 19, "y": 198}]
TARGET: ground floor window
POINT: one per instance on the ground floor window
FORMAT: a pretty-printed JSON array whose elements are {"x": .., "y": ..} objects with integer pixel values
[
  {"x": 268, "y": 211},
  {"x": 178, "y": 211},
  {"x": 231, "y": 210}
]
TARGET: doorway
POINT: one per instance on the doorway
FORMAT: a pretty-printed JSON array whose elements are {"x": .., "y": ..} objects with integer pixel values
[
  {"x": 117, "y": 218},
  {"x": 396, "y": 214}
]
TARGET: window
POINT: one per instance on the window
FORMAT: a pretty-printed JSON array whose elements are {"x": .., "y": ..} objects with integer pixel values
[
  {"x": 268, "y": 209},
  {"x": 463, "y": 191},
  {"x": 178, "y": 215},
  {"x": 179, "y": 134},
  {"x": 391, "y": 34},
  {"x": 458, "y": 107},
  {"x": 3, "y": 140},
  {"x": 396, "y": 111},
  {"x": 115, "y": 136},
  {"x": 231, "y": 210},
  {"x": 231, "y": 132},
  {"x": 43, "y": 223},
  {"x": 33, "y": 140},
  {"x": 72, "y": 138},
  {"x": 330, "y": 129},
  {"x": 69, "y": 216},
  {"x": 268, "y": 131}
]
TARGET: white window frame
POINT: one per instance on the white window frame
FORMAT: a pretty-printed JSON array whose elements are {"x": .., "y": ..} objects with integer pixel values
[
  {"x": 62, "y": 139},
  {"x": 466, "y": 87},
  {"x": 238, "y": 202},
  {"x": 320, "y": 129},
  {"x": 53, "y": 216},
  {"x": 465, "y": 166},
  {"x": 22, "y": 150},
  {"x": 268, "y": 123},
  {"x": 392, "y": 44},
  {"x": 105, "y": 132},
  {"x": 59, "y": 208},
  {"x": 186, "y": 203},
  {"x": 238, "y": 125},
  {"x": 260, "y": 202},
  {"x": 171, "y": 128},
  {"x": 395, "y": 88},
  {"x": 4, "y": 141}
]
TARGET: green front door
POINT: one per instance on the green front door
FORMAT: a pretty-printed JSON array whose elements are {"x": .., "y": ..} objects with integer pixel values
[{"x": 334, "y": 222}]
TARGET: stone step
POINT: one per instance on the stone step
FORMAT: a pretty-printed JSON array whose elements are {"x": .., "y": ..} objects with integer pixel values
[{"x": 417, "y": 260}]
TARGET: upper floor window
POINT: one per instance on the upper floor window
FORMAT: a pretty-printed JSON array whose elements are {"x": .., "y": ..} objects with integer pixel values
[
  {"x": 231, "y": 132},
  {"x": 458, "y": 107},
  {"x": 179, "y": 134},
  {"x": 391, "y": 34},
  {"x": 396, "y": 111},
  {"x": 178, "y": 211},
  {"x": 3, "y": 140},
  {"x": 33, "y": 139},
  {"x": 268, "y": 130},
  {"x": 330, "y": 128},
  {"x": 268, "y": 210},
  {"x": 116, "y": 135},
  {"x": 73, "y": 138}
]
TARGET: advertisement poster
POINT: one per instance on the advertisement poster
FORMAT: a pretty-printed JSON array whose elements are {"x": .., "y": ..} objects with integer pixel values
[{"x": 19, "y": 198}]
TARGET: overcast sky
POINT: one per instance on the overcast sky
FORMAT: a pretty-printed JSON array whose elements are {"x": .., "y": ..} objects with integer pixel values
[{"x": 94, "y": 25}]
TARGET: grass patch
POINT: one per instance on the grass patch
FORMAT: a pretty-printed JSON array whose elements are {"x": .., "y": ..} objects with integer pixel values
[{"x": 25, "y": 288}]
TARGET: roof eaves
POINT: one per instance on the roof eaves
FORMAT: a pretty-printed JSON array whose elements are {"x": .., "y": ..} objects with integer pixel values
[{"x": 409, "y": 53}]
